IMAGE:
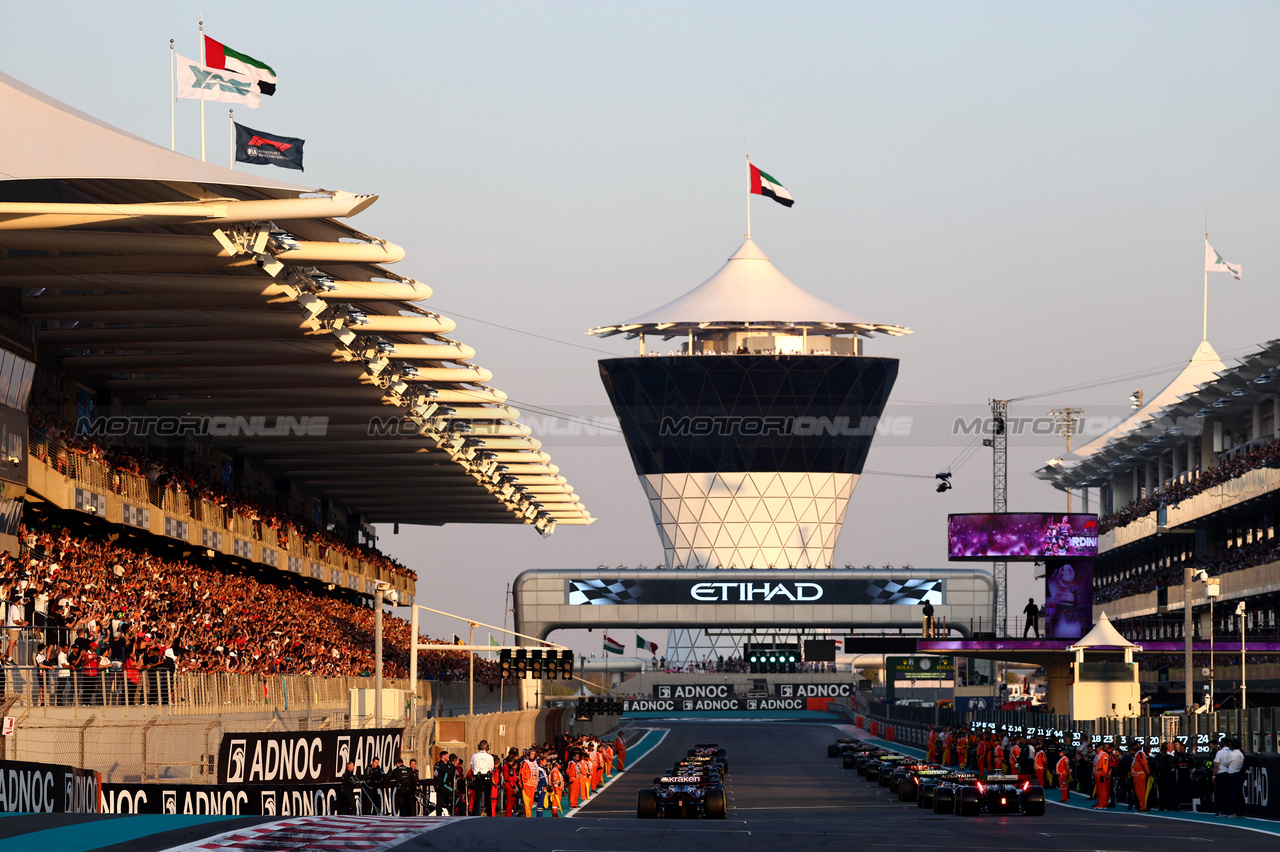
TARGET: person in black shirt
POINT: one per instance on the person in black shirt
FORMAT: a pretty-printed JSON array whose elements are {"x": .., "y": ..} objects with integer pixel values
[
  {"x": 374, "y": 778},
  {"x": 1033, "y": 618},
  {"x": 926, "y": 627},
  {"x": 402, "y": 780},
  {"x": 418, "y": 786},
  {"x": 350, "y": 784},
  {"x": 440, "y": 774}
]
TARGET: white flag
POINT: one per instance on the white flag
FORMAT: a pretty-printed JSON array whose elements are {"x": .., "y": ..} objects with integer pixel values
[
  {"x": 1213, "y": 262},
  {"x": 212, "y": 84}
]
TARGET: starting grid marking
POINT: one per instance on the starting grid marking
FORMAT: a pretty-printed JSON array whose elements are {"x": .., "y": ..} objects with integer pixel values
[{"x": 359, "y": 834}]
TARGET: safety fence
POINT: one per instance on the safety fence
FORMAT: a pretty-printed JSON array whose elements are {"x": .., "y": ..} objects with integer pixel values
[{"x": 43, "y": 692}]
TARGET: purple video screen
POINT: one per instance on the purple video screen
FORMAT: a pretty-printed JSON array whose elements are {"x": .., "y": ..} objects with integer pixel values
[
  {"x": 1021, "y": 536},
  {"x": 1068, "y": 598}
]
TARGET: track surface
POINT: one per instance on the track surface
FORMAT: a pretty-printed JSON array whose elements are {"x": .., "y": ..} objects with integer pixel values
[{"x": 783, "y": 791}]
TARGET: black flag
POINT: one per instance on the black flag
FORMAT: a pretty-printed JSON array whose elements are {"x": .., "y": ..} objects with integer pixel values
[{"x": 267, "y": 149}]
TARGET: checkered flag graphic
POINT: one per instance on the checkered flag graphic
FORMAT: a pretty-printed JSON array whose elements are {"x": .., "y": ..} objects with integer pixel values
[
  {"x": 906, "y": 592},
  {"x": 604, "y": 592}
]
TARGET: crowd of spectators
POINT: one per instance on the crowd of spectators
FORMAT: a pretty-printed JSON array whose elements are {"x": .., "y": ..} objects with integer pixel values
[
  {"x": 212, "y": 620},
  {"x": 1263, "y": 455},
  {"x": 1141, "y": 581},
  {"x": 55, "y": 440}
]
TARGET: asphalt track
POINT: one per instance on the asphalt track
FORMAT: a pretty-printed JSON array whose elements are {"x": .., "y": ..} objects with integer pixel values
[{"x": 783, "y": 791}]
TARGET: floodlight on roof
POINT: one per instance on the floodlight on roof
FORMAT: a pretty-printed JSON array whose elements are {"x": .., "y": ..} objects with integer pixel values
[{"x": 281, "y": 240}]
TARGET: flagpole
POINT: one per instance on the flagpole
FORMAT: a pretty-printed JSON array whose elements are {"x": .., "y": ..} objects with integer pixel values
[
  {"x": 202, "y": 62},
  {"x": 231, "y": 139},
  {"x": 748, "y": 157},
  {"x": 1205, "y": 322},
  {"x": 173, "y": 100}
]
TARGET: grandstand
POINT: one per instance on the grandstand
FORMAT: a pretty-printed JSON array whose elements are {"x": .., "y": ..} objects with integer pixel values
[
  {"x": 1191, "y": 479},
  {"x": 211, "y": 390}
]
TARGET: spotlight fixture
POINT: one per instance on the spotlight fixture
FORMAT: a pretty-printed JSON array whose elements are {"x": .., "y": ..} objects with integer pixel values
[{"x": 944, "y": 481}]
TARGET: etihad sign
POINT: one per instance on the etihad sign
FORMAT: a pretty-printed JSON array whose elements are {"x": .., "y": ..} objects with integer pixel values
[{"x": 746, "y": 592}]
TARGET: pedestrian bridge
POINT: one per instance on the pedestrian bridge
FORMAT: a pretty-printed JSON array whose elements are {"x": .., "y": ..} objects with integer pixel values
[{"x": 845, "y": 598}]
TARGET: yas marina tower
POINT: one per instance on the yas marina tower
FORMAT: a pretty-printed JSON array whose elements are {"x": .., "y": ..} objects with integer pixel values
[{"x": 748, "y": 411}]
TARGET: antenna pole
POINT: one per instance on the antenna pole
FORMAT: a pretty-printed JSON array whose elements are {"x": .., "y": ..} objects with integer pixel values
[{"x": 1204, "y": 328}]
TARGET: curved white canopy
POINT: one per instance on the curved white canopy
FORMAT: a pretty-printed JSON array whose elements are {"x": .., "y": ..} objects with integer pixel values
[
  {"x": 747, "y": 292},
  {"x": 42, "y": 138},
  {"x": 1103, "y": 635}
]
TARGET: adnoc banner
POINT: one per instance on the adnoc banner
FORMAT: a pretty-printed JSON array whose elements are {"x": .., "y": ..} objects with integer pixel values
[
  {"x": 622, "y": 592},
  {"x": 304, "y": 757},
  {"x": 282, "y": 800},
  {"x": 47, "y": 788},
  {"x": 710, "y": 705}
]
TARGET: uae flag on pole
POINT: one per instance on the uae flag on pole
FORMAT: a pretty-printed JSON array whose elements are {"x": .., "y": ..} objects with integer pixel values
[
  {"x": 218, "y": 55},
  {"x": 762, "y": 183},
  {"x": 611, "y": 646},
  {"x": 267, "y": 149}
]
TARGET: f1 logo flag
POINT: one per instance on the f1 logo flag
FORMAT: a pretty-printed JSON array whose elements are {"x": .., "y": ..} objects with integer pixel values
[{"x": 267, "y": 149}]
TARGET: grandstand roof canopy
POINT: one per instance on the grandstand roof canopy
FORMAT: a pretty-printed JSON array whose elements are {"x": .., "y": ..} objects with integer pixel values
[
  {"x": 747, "y": 293},
  {"x": 1204, "y": 388},
  {"x": 194, "y": 290}
]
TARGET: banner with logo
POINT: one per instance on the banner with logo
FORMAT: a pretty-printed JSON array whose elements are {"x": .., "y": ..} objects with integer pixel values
[
  {"x": 612, "y": 592},
  {"x": 831, "y": 689},
  {"x": 921, "y": 668},
  {"x": 304, "y": 757},
  {"x": 267, "y": 149},
  {"x": 282, "y": 800},
  {"x": 47, "y": 788},
  {"x": 710, "y": 705}
]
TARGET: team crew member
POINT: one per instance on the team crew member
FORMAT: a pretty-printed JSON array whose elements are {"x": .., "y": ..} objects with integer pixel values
[
  {"x": 1102, "y": 778},
  {"x": 482, "y": 775},
  {"x": 1140, "y": 770},
  {"x": 571, "y": 779},
  {"x": 982, "y": 755},
  {"x": 1041, "y": 764},
  {"x": 510, "y": 781},
  {"x": 620, "y": 746},
  {"x": 529, "y": 777},
  {"x": 931, "y": 746},
  {"x": 350, "y": 783},
  {"x": 584, "y": 778},
  {"x": 997, "y": 765},
  {"x": 555, "y": 780},
  {"x": 403, "y": 782},
  {"x": 1064, "y": 774}
]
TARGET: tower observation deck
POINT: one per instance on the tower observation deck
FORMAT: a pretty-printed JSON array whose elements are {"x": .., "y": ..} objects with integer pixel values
[{"x": 748, "y": 413}]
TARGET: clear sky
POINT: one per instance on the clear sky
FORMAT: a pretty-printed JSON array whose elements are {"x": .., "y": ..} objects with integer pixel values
[{"x": 1024, "y": 185}]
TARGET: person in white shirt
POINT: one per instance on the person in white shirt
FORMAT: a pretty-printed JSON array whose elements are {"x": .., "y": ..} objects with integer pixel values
[
  {"x": 1235, "y": 780},
  {"x": 1221, "y": 786},
  {"x": 64, "y": 676},
  {"x": 482, "y": 779}
]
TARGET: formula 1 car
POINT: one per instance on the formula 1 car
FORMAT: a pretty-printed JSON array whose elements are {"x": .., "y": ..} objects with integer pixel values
[
  {"x": 711, "y": 753},
  {"x": 882, "y": 765},
  {"x": 904, "y": 780},
  {"x": 683, "y": 797},
  {"x": 849, "y": 760},
  {"x": 927, "y": 783},
  {"x": 840, "y": 746},
  {"x": 994, "y": 794}
]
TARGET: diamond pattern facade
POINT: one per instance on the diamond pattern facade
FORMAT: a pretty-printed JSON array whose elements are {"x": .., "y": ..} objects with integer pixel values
[
  {"x": 748, "y": 461},
  {"x": 748, "y": 520}
]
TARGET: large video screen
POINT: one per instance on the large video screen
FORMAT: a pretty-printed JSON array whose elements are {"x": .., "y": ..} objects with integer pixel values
[
  {"x": 1068, "y": 598},
  {"x": 1021, "y": 536}
]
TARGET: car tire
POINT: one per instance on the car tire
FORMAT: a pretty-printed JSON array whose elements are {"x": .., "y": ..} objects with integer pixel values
[
  {"x": 647, "y": 805},
  {"x": 716, "y": 805},
  {"x": 944, "y": 802},
  {"x": 967, "y": 802},
  {"x": 907, "y": 790},
  {"x": 849, "y": 762},
  {"x": 832, "y": 751},
  {"x": 1033, "y": 801}
]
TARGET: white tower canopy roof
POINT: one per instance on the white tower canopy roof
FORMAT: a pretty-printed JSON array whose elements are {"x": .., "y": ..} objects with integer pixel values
[
  {"x": 748, "y": 292},
  {"x": 1103, "y": 635}
]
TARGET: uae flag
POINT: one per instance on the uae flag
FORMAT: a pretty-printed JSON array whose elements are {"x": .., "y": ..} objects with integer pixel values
[
  {"x": 762, "y": 183},
  {"x": 218, "y": 55},
  {"x": 611, "y": 646},
  {"x": 651, "y": 647},
  {"x": 267, "y": 149}
]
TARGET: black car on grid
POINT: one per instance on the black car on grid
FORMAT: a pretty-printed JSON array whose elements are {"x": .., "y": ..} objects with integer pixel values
[
  {"x": 882, "y": 765},
  {"x": 693, "y": 796},
  {"x": 992, "y": 794},
  {"x": 904, "y": 782},
  {"x": 927, "y": 783},
  {"x": 849, "y": 760}
]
